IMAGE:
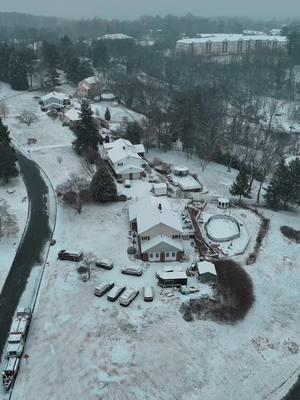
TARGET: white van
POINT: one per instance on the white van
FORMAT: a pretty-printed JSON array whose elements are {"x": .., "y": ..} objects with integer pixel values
[
  {"x": 148, "y": 293},
  {"x": 128, "y": 296}
]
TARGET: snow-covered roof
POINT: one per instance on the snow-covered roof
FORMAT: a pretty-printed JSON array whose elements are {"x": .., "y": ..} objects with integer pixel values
[
  {"x": 139, "y": 148},
  {"x": 206, "y": 266},
  {"x": 73, "y": 114},
  {"x": 173, "y": 275},
  {"x": 118, "y": 143},
  {"x": 108, "y": 96},
  {"x": 159, "y": 185},
  {"x": 181, "y": 169},
  {"x": 128, "y": 169},
  {"x": 223, "y": 200},
  {"x": 113, "y": 36},
  {"x": 155, "y": 215},
  {"x": 90, "y": 80},
  {"x": 232, "y": 38},
  {"x": 161, "y": 239},
  {"x": 186, "y": 182},
  {"x": 119, "y": 153},
  {"x": 56, "y": 95},
  {"x": 147, "y": 202}
]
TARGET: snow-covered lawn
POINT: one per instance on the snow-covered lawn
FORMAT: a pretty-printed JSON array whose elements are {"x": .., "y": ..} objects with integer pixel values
[
  {"x": 13, "y": 196},
  {"x": 81, "y": 346}
]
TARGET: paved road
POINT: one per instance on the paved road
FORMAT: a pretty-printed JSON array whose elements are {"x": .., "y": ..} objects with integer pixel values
[
  {"x": 29, "y": 251},
  {"x": 294, "y": 393}
]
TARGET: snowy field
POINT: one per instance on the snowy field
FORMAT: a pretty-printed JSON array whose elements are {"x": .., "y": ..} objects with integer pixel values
[
  {"x": 81, "y": 346},
  {"x": 13, "y": 196}
]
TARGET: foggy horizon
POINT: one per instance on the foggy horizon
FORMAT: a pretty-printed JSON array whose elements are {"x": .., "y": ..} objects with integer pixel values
[{"x": 134, "y": 9}]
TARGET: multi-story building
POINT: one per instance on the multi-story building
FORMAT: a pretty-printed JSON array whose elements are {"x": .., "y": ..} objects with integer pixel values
[{"x": 221, "y": 44}]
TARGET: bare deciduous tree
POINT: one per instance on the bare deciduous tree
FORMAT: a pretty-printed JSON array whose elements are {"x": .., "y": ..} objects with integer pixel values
[{"x": 27, "y": 117}]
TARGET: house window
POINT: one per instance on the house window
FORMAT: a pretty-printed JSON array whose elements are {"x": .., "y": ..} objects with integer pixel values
[
  {"x": 145, "y": 237},
  {"x": 120, "y": 164},
  {"x": 173, "y": 254},
  {"x": 151, "y": 255},
  {"x": 239, "y": 46},
  {"x": 176, "y": 237},
  {"x": 224, "y": 47},
  {"x": 167, "y": 254},
  {"x": 208, "y": 47},
  {"x": 157, "y": 255}
]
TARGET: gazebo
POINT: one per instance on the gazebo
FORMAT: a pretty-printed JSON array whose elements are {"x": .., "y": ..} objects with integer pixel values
[{"x": 223, "y": 203}]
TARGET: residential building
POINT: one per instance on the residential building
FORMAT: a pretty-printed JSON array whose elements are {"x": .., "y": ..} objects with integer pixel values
[
  {"x": 222, "y": 44},
  {"x": 89, "y": 87},
  {"x": 55, "y": 101},
  {"x": 124, "y": 159},
  {"x": 159, "y": 230}
]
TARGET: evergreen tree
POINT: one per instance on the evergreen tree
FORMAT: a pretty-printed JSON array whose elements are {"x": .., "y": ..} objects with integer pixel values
[
  {"x": 103, "y": 187},
  {"x": 17, "y": 72},
  {"x": 86, "y": 131},
  {"x": 50, "y": 56},
  {"x": 284, "y": 188},
  {"x": 240, "y": 186},
  {"x": 4, "y": 133},
  {"x": 5, "y": 53},
  {"x": 107, "y": 115},
  {"x": 8, "y": 157},
  {"x": 134, "y": 132}
]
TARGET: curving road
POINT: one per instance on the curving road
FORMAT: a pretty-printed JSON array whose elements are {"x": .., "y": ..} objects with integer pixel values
[{"x": 29, "y": 251}]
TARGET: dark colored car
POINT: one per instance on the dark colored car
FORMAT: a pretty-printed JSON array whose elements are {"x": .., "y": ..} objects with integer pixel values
[{"x": 70, "y": 255}]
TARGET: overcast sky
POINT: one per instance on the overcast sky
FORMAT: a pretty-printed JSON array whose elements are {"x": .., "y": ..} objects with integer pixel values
[{"x": 131, "y": 9}]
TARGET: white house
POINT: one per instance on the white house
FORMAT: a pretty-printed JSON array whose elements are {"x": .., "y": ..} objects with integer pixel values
[
  {"x": 158, "y": 228},
  {"x": 55, "y": 101},
  {"x": 124, "y": 159}
]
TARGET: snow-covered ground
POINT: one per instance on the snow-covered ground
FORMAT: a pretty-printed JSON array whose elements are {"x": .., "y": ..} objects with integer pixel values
[
  {"x": 81, "y": 346},
  {"x": 13, "y": 197}
]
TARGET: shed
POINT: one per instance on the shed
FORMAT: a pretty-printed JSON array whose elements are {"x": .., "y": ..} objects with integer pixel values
[
  {"x": 207, "y": 272},
  {"x": 223, "y": 202},
  {"x": 159, "y": 189},
  {"x": 181, "y": 171}
]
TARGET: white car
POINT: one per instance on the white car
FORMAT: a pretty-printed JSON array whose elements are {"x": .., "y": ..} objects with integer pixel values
[
  {"x": 115, "y": 292},
  {"x": 105, "y": 263},
  {"x": 102, "y": 288},
  {"x": 132, "y": 270},
  {"x": 128, "y": 296}
]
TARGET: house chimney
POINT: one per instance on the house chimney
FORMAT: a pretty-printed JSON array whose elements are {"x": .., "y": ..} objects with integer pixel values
[{"x": 159, "y": 206}]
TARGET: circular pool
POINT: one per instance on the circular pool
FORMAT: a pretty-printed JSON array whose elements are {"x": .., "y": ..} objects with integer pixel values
[{"x": 222, "y": 228}]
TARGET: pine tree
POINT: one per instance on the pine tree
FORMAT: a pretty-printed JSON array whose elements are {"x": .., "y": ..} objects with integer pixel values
[
  {"x": 8, "y": 160},
  {"x": 107, "y": 115},
  {"x": 17, "y": 72},
  {"x": 51, "y": 62},
  {"x": 240, "y": 186},
  {"x": 4, "y": 133},
  {"x": 103, "y": 187},
  {"x": 284, "y": 188},
  {"x": 86, "y": 131}
]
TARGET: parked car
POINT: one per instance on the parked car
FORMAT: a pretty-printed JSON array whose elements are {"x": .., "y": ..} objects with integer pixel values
[
  {"x": 148, "y": 293},
  {"x": 70, "y": 255},
  {"x": 128, "y": 296},
  {"x": 105, "y": 263},
  {"x": 132, "y": 270},
  {"x": 127, "y": 183},
  {"x": 103, "y": 288},
  {"x": 115, "y": 292}
]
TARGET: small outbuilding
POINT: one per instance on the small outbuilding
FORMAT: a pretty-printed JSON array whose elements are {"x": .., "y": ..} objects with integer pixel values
[
  {"x": 160, "y": 189},
  {"x": 207, "y": 272},
  {"x": 181, "y": 171},
  {"x": 223, "y": 203}
]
